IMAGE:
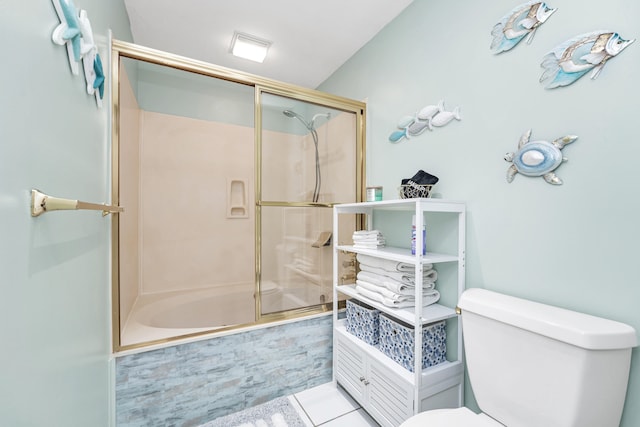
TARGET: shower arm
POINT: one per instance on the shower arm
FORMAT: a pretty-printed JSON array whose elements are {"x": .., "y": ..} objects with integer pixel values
[{"x": 41, "y": 203}]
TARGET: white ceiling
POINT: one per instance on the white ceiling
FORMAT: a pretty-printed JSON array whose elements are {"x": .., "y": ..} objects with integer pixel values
[{"x": 310, "y": 39}]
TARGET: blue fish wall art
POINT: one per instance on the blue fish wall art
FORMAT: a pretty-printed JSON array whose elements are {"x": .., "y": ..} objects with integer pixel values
[
  {"x": 521, "y": 22},
  {"x": 577, "y": 56}
]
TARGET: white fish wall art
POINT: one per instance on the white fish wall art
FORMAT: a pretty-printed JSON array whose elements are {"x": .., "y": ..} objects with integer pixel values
[
  {"x": 520, "y": 22},
  {"x": 538, "y": 158},
  {"x": 574, "y": 58},
  {"x": 429, "y": 111},
  {"x": 444, "y": 117},
  {"x": 425, "y": 118}
]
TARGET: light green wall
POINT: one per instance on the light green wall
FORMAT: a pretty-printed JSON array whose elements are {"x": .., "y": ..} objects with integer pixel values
[
  {"x": 573, "y": 245},
  {"x": 55, "y": 285}
]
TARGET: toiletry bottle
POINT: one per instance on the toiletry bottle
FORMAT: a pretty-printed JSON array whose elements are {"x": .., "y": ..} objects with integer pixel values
[{"x": 413, "y": 237}]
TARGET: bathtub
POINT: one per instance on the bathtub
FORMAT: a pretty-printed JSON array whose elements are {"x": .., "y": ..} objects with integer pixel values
[{"x": 173, "y": 314}]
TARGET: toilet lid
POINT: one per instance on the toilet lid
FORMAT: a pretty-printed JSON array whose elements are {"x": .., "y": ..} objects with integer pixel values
[{"x": 459, "y": 417}]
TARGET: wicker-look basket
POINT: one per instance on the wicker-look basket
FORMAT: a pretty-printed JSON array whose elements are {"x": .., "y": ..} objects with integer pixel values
[{"x": 414, "y": 191}]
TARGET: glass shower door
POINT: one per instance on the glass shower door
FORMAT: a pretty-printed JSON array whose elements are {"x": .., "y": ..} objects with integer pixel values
[
  {"x": 307, "y": 163},
  {"x": 186, "y": 174}
]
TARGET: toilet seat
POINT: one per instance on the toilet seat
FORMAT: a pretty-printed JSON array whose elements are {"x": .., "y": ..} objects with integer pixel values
[{"x": 459, "y": 417}]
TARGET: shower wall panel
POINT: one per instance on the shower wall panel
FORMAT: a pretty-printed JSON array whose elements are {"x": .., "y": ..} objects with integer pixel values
[{"x": 187, "y": 240}]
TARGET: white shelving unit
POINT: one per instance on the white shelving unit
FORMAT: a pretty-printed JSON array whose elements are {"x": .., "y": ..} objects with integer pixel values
[{"x": 386, "y": 390}]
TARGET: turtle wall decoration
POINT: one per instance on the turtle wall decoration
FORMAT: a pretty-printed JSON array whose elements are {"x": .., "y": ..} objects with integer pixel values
[{"x": 538, "y": 158}]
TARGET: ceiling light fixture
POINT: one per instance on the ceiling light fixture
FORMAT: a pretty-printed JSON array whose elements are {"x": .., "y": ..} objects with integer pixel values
[{"x": 249, "y": 47}]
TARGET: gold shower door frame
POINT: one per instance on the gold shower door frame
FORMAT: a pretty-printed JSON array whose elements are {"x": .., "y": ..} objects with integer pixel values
[{"x": 120, "y": 49}]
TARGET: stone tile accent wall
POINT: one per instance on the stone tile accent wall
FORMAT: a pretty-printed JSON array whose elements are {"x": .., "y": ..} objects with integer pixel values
[{"x": 190, "y": 384}]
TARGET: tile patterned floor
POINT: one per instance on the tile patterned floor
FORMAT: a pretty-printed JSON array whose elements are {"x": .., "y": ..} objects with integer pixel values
[{"x": 329, "y": 405}]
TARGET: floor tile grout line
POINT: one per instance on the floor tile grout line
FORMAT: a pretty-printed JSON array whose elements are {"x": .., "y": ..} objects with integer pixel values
[
  {"x": 304, "y": 410},
  {"x": 335, "y": 418}
]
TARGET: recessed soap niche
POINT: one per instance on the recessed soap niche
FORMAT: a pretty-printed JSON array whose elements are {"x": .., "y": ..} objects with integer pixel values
[{"x": 237, "y": 198}]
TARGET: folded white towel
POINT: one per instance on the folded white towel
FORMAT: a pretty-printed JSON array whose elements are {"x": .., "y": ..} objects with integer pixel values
[
  {"x": 384, "y": 291},
  {"x": 367, "y": 237},
  {"x": 429, "y": 299},
  {"x": 390, "y": 294},
  {"x": 389, "y": 265},
  {"x": 365, "y": 232},
  {"x": 391, "y": 284},
  {"x": 367, "y": 276},
  {"x": 428, "y": 276},
  {"x": 401, "y": 288}
]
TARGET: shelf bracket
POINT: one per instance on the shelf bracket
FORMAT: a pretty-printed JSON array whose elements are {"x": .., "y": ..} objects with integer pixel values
[{"x": 41, "y": 203}]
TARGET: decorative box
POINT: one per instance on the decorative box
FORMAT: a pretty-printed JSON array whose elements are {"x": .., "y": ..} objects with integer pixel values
[
  {"x": 363, "y": 321},
  {"x": 397, "y": 342}
]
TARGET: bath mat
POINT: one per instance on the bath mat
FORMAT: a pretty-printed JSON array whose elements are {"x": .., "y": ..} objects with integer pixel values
[{"x": 275, "y": 413}]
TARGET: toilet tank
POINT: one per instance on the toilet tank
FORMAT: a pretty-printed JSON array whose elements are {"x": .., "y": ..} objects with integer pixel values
[{"x": 535, "y": 365}]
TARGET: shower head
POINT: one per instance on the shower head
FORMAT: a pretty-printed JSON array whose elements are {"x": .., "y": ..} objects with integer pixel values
[
  {"x": 293, "y": 114},
  {"x": 308, "y": 125}
]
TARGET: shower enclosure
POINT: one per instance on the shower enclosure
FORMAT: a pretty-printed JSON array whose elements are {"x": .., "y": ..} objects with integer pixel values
[{"x": 228, "y": 180}]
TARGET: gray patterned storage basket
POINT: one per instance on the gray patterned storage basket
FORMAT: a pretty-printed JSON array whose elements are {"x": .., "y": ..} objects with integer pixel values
[
  {"x": 397, "y": 342},
  {"x": 363, "y": 321}
]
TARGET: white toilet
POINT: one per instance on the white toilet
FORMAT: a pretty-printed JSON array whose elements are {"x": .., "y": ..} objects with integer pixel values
[{"x": 534, "y": 365}]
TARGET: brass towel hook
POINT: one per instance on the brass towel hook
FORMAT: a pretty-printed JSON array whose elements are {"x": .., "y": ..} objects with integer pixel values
[{"x": 41, "y": 203}]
